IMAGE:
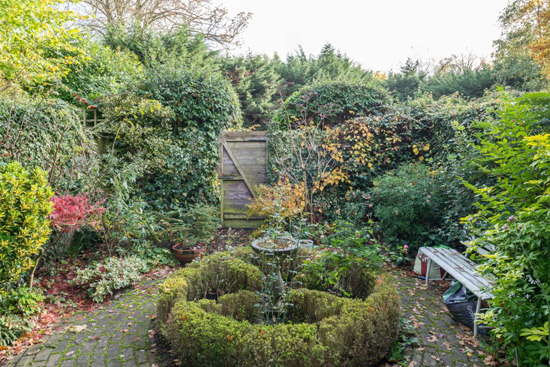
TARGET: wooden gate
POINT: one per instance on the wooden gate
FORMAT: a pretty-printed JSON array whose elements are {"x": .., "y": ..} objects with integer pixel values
[{"x": 242, "y": 167}]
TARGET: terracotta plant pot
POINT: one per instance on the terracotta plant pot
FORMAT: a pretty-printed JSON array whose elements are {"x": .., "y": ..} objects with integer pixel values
[{"x": 187, "y": 254}]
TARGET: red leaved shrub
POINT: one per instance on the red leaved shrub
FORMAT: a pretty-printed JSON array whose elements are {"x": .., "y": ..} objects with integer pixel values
[{"x": 71, "y": 213}]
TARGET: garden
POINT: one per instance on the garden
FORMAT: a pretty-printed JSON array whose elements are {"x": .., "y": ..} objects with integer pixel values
[{"x": 113, "y": 247}]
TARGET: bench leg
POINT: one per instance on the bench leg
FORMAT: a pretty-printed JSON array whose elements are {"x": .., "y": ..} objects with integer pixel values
[
  {"x": 478, "y": 308},
  {"x": 428, "y": 268}
]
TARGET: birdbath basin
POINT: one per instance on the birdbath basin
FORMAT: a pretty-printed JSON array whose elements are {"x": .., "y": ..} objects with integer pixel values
[{"x": 278, "y": 246}]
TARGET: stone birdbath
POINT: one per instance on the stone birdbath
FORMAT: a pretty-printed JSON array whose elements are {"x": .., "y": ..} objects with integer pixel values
[{"x": 273, "y": 251}]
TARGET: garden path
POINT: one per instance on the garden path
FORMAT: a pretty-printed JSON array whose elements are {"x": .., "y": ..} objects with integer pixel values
[
  {"x": 118, "y": 334},
  {"x": 441, "y": 340},
  {"x": 122, "y": 333}
]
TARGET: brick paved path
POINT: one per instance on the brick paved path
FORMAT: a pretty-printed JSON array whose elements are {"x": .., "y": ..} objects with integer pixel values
[
  {"x": 115, "y": 335},
  {"x": 442, "y": 341},
  {"x": 120, "y": 334}
]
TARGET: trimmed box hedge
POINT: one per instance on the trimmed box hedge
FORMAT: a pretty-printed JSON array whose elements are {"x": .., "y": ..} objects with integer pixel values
[{"x": 323, "y": 329}]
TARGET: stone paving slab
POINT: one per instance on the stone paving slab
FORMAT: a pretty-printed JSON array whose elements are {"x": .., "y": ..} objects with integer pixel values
[{"x": 120, "y": 334}]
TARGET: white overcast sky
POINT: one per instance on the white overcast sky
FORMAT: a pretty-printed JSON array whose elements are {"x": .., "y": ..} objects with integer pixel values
[{"x": 379, "y": 34}]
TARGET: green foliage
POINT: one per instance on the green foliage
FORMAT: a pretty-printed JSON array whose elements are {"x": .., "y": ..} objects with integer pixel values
[
  {"x": 48, "y": 134},
  {"x": 514, "y": 64},
  {"x": 180, "y": 150},
  {"x": 406, "y": 339},
  {"x": 512, "y": 214},
  {"x": 166, "y": 134},
  {"x": 129, "y": 221},
  {"x": 329, "y": 66},
  {"x": 34, "y": 39},
  {"x": 102, "y": 72},
  {"x": 407, "y": 82},
  {"x": 468, "y": 83},
  {"x": 221, "y": 273},
  {"x": 408, "y": 202},
  {"x": 326, "y": 330},
  {"x": 11, "y": 328},
  {"x": 23, "y": 301},
  {"x": 178, "y": 46},
  {"x": 348, "y": 266},
  {"x": 256, "y": 82},
  {"x": 331, "y": 104},
  {"x": 199, "y": 100},
  {"x": 240, "y": 306},
  {"x": 112, "y": 274},
  {"x": 24, "y": 227},
  {"x": 464, "y": 80},
  {"x": 202, "y": 221},
  {"x": 153, "y": 255},
  {"x": 17, "y": 308}
]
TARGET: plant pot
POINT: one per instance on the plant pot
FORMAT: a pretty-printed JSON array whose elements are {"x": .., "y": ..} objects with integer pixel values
[{"x": 187, "y": 254}]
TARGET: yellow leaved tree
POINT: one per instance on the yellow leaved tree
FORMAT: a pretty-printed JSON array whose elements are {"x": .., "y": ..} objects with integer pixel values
[{"x": 36, "y": 42}]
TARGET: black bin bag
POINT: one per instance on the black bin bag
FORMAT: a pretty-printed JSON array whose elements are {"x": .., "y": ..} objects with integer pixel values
[{"x": 461, "y": 303}]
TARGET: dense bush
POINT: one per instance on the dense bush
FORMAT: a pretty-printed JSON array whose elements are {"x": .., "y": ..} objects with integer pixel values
[
  {"x": 112, "y": 274},
  {"x": 102, "y": 72},
  {"x": 47, "y": 133},
  {"x": 24, "y": 227},
  {"x": 155, "y": 48},
  {"x": 169, "y": 134},
  {"x": 326, "y": 331},
  {"x": 353, "y": 154},
  {"x": 408, "y": 203},
  {"x": 17, "y": 308},
  {"x": 206, "y": 102},
  {"x": 512, "y": 215},
  {"x": 468, "y": 83},
  {"x": 331, "y": 104},
  {"x": 406, "y": 83},
  {"x": 220, "y": 273},
  {"x": 329, "y": 66},
  {"x": 351, "y": 265},
  {"x": 256, "y": 83}
]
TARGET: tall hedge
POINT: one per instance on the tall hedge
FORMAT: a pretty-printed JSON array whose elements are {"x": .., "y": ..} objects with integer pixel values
[
  {"x": 170, "y": 127},
  {"x": 330, "y": 104},
  {"x": 47, "y": 133}
]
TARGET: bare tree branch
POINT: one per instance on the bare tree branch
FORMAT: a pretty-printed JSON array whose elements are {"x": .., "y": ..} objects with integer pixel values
[{"x": 201, "y": 16}]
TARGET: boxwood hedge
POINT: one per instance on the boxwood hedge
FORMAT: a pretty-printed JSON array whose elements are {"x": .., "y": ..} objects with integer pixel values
[{"x": 323, "y": 329}]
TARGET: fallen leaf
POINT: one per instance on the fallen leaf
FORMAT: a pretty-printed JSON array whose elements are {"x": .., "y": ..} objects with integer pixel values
[{"x": 77, "y": 328}]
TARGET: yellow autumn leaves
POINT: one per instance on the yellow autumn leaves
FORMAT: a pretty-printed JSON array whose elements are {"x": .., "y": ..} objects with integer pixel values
[{"x": 419, "y": 149}]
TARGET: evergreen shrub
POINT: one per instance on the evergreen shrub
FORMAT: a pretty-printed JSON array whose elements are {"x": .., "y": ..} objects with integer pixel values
[{"x": 324, "y": 329}]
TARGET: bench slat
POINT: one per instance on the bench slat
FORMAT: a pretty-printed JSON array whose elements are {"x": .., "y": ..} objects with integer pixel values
[
  {"x": 470, "y": 271},
  {"x": 460, "y": 268},
  {"x": 458, "y": 260}
]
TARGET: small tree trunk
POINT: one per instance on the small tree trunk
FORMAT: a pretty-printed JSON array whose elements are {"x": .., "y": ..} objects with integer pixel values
[{"x": 31, "y": 280}]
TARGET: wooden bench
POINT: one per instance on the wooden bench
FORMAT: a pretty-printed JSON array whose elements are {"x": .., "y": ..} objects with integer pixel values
[{"x": 463, "y": 270}]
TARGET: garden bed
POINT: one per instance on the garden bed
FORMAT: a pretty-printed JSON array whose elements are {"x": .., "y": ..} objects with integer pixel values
[{"x": 321, "y": 328}]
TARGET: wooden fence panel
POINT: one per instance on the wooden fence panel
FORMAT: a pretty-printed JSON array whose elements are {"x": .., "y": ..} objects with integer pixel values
[{"x": 242, "y": 167}]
